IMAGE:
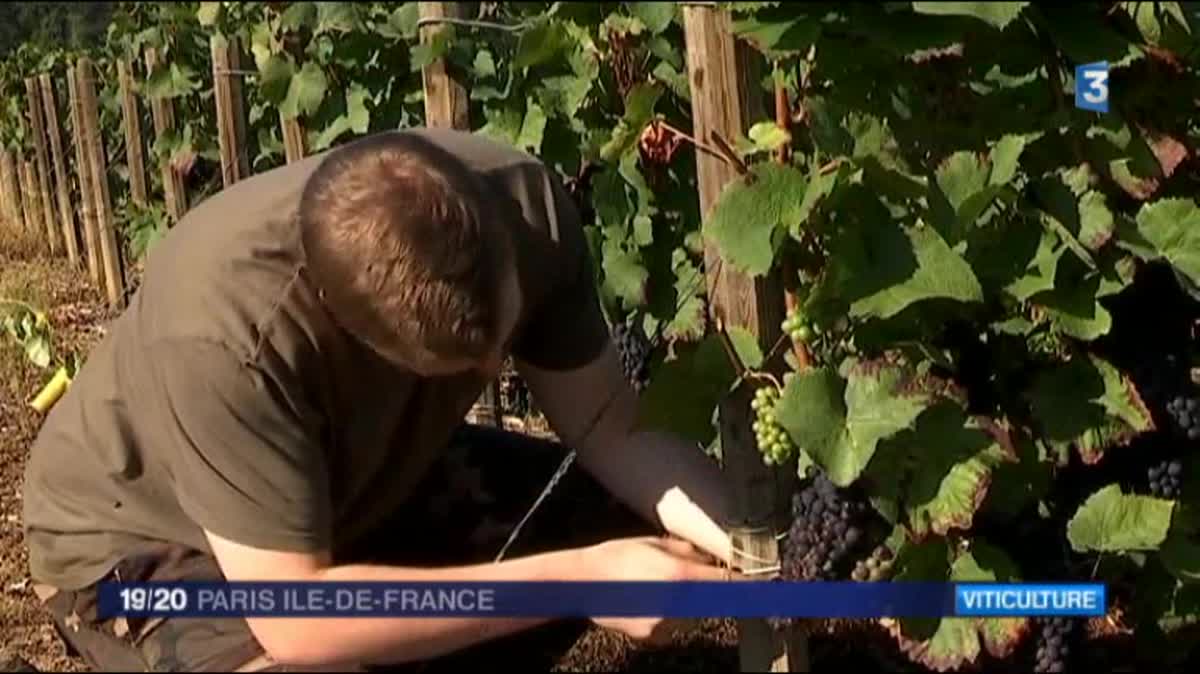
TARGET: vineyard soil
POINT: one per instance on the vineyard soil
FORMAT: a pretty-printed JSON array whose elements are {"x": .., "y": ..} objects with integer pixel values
[{"x": 78, "y": 315}]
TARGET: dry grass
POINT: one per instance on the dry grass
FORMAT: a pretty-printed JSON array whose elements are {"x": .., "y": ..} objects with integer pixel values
[{"x": 19, "y": 244}]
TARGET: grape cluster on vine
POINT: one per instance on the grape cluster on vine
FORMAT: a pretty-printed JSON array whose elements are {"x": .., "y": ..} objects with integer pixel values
[
  {"x": 797, "y": 327},
  {"x": 829, "y": 529},
  {"x": 1166, "y": 478},
  {"x": 773, "y": 441},
  {"x": 634, "y": 350},
  {"x": 1055, "y": 641},
  {"x": 1185, "y": 413}
]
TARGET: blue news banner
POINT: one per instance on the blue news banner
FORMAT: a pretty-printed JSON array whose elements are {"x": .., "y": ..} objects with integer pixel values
[{"x": 736, "y": 599}]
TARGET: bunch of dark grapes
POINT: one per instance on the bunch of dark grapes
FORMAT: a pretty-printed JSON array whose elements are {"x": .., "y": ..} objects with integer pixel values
[
  {"x": 1056, "y": 639},
  {"x": 829, "y": 527},
  {"x": 634, "y": 350},
  {"x": 1166, "y": 386},
  {"x": 1166, "y": 478},
  {"x": 773, "y": 441},
  {"x": 1185, "y": 414}
]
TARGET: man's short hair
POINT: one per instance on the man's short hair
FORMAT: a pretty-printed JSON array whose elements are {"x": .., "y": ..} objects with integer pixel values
[{"x": 394, "y": 239}]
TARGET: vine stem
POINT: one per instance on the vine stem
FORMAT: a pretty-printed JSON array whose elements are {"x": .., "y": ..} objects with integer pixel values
[
  {"x": 732, "y": 160},
  {"x": 471, "y": 23}
]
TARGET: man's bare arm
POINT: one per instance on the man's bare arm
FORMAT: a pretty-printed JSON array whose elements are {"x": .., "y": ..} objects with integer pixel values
[
  {"x": 376, "y": 641},
  {"x": 595, "y": 410}
]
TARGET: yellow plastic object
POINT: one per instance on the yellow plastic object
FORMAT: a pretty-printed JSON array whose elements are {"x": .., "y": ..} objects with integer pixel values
[{"x": 52, "y": 391}]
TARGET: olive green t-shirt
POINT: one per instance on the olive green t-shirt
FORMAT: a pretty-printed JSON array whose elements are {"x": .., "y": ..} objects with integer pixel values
[{"x": 226, "y": 398}]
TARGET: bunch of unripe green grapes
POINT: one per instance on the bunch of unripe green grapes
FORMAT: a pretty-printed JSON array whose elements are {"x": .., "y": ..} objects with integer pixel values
[
  {"x": 796, "y": 327},
  {"x": 773, "y": 441}
]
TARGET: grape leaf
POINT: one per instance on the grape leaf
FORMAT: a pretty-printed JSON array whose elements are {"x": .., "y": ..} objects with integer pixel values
[
  {"x": 998, "y": 14},
  {"x": 948, "y": 644},
  {"x": 38, "y": 351},
  {"x": 745, "y": 344},
  {"x": 985, "y": 563},
  {"x": 656, "y": 16},
  {"x": 1096, "y": 222},
  {"x": 336, "y": 17},
  {"x": 1041, "y": 272},
  {"x": 624, "y": 273},
  {"x": 298, "y": 15},
  {"x": 404, "y": 20},
  {"x": 684, "y": 392},
  {"x": 172, "y": 81},
  {"x": 954, "y": 457},
  {"x": 1112, "y": 521},
  {"x": 305, "y": 92},
  {"x": 357, "y": 113},
  {"x": 778, "y": 36},
  {"x": 1090, "y": 404},
  {"x": 840, "y": 422},
  {"x": 747, "y": 216},
  {"x": 902, "y": 272},
  {"x": 1171, "y": 227},
  {"x": 768, "y": 136},
  {"x": 503, "y": 123},
  {"x": 1005, "y": 158},
  {"x": 533, "y": 128},
  {"x": 963, "y": 180},
  {"x": 208, "y": 13},
  {"x": 540, "y": 43}
]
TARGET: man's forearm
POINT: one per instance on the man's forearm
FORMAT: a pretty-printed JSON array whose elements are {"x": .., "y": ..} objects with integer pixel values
[
  {"x": 660, "y": 476},
  {"x": 325, "y": 641}
]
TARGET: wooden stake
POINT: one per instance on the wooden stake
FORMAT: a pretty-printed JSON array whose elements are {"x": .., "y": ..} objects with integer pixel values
[
  {"x": 294, "y": 147},
  {"x": 87, "y": 202},
  {"x": 163, "y": 112},
  {"x": 42, "y": 166},
  {"x": 447, "y": 106},
  {"x": 34, "y": 221},
  {"x": 446, "y": 100},
  {"x": 62, "y": 181},
  {"x": 135, "y": 155},
  {"x": 231, "y": 126},
  {"x": 12, "y": 191},
  {"x": 93, "y": 145},
  {"x": 722, "y": 101}
]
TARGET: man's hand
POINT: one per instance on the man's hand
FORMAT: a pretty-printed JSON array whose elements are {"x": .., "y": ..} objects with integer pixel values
[
  {"x": 649, "y": 559},
  {"x": 369, "y": 641}
]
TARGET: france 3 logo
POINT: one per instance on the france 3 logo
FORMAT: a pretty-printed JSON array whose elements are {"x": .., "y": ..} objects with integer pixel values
[{"x": 1091, "y": 86}]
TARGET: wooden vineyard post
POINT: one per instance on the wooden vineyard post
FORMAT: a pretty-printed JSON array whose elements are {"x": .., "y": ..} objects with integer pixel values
[
  {"x": 12, "y": 191},
  {"x": 231, "y": 124},
  {"x": 163, "y": 112},
  {"x": 93, "y": 147},
  {"x": 447, "y": 107},
  {"x": 293, "y": 139},
  {"x": 722, "y": 104},
  {"x": 31, "y": 201},
  {"x": 446, "y": 101},
  {"x": 87, "y": 202},
  {"x": 62, "y": 182},
  {"x": 42, "y": 164},
  {"x": 135, "y": 155}
]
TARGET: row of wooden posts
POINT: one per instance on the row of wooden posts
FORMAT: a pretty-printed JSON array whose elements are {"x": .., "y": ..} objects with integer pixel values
[
  {"x": 40, "y": 193},
  {"x": 75, "y": 210}
]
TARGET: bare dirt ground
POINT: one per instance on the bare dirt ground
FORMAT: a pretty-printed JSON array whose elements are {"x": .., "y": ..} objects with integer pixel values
[{"x": 78, "y": 315}]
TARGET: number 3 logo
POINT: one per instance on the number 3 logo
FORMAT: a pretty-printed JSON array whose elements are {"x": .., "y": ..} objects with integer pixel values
[{"x": 1091, "y": 87}]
